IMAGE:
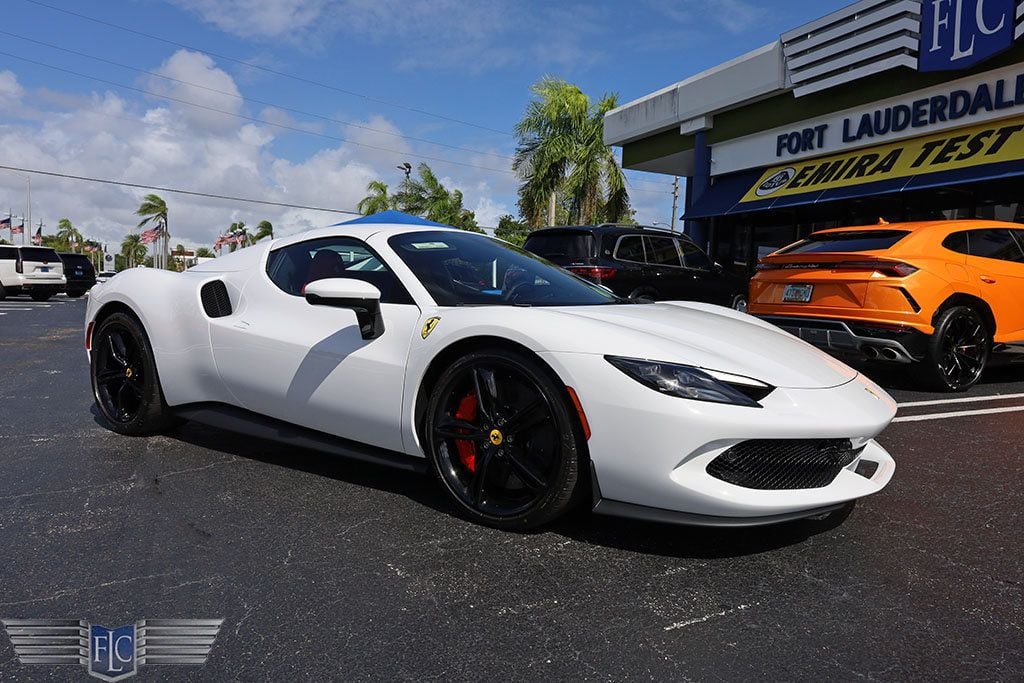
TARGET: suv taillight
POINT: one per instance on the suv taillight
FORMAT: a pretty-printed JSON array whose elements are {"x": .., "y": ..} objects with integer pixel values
[
  {"x": 889, "y": 268},
  {"x": 19, "y": 265},
  {"x": 593, "y": 272}
]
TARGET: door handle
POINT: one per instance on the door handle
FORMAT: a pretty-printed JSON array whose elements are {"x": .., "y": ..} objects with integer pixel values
[{"x": 987, "y": 278}]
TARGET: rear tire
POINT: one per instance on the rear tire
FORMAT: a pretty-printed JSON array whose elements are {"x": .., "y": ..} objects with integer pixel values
[
  {"x": 74, "y": 293},
  {"x": 957, "y": 352},
  {"x": 40, "y": 296},
  {"x": 739, "y": 303},
  {"x": 518, "y": 465},
  {"x": 3, "y": 293},
  {"x": 125, "y": 383}
]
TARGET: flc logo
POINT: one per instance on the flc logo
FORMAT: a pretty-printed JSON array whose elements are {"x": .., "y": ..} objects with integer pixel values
[{"x": 956, "y": 34}]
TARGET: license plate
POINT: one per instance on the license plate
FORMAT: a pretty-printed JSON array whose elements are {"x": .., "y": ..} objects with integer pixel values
[
  {"x": 797, "y": 294},
  {"x": 44, "y": 269}
]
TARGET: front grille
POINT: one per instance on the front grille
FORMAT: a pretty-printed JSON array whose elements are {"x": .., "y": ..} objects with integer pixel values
[
  {"x": 216, "y": 301},
  {"x": 783, "y": 463}
]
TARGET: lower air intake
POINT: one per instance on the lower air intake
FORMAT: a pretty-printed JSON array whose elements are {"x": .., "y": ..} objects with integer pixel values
[
  {"x": 216, "y": 302},
  {"x": 783, "y": 463}
]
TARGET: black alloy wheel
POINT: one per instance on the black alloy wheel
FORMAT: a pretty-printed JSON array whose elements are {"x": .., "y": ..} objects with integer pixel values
[
  {"x": 958, "y": 350},
  {"x": 502, "y": 440},
  {"x": 124, "y": 380}
]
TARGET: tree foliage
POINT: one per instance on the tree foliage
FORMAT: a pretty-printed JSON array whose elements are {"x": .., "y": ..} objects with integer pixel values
[
  {"x": 511, "y": 230},
  {"x": 426, "y": 196},
  {"x": 561, "y": 154}
]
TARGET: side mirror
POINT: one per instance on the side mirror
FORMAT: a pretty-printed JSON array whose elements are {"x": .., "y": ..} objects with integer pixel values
[{"x": 361, "y": 297}]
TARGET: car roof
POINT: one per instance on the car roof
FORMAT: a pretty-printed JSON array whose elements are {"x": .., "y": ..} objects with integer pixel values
[
  {"x": 361, "y": 231},
  {"x": 612, "y": 228},
  {"x": 920, "y": 226}
]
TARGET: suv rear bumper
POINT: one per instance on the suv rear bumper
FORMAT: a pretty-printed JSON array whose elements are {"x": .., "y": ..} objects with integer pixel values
[{"x": 896, "y": 344}]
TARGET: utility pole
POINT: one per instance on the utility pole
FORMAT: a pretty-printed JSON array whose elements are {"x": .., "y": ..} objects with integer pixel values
[
  {"x": 675, "y": 201},
  {"x": 28, "y": 216},
  {"x": 406, "y": 168}
]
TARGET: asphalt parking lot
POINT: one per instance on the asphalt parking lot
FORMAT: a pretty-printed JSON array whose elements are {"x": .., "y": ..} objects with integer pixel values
[{"x": 324, "y": 568}]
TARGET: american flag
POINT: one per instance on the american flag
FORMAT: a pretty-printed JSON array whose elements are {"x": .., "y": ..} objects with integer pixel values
[
  {"x": 220, "y": 242},
  {"x": 18, "y": 229},
  {"x": 5, "y": 223},
  {"x": 90, "y": 248},
  {"x": 37, "y": 239},
  {"x": 150, "y": 236}
]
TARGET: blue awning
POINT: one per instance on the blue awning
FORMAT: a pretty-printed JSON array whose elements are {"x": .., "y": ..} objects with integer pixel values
[
  {"x": 393, "y": 217},
  {"x": 724, "y": 195}
]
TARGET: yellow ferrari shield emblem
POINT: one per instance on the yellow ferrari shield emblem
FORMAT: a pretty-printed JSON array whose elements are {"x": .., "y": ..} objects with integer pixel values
[{"x": 429, "y": 326}]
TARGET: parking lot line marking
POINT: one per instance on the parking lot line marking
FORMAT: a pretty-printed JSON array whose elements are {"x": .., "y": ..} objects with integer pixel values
[
  {"x": 969, "y": 399},
  {"x": 958, "y": 413}
]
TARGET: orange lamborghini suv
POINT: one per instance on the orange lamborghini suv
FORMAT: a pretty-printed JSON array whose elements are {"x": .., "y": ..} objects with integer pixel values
[{"x": 937, "y": 295}]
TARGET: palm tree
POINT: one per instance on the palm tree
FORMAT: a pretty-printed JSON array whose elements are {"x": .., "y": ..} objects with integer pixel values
[
  {"x": 68, "y": 236},
  {"x": 427, "y": 196},
  {"x": 133, "y": 250},
  {"x": 377, "y": 199},
  {"x": 561, "y": 150},
  {"x": 154, "y": 209},
  {"x": 205, "y": 252},
  {"x": 263, "y": 229}
]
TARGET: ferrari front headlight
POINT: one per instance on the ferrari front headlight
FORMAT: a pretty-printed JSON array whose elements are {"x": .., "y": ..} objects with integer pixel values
[{"x": 699, "y": 384}]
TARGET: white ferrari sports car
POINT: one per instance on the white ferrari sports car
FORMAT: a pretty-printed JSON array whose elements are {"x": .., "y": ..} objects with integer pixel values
[{"x": 523, "y": 388}]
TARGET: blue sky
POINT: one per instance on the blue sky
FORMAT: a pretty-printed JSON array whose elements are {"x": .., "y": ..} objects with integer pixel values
[{"x": 468, "y": 60}]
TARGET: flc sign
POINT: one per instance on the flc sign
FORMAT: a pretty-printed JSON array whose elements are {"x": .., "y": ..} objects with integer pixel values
[{"x": 957, "y": 34}]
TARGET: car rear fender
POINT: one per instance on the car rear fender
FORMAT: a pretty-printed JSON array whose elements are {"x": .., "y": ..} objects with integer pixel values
[{"x": 168, "y": 306}]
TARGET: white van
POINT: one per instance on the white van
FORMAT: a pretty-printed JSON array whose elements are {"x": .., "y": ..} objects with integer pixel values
[{"x": 36, "y": 271}]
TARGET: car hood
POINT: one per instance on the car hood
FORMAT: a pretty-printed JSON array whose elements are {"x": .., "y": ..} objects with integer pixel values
[{"x": 701, "y": 335}]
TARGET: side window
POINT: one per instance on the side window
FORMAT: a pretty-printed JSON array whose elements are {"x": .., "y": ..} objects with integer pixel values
[
  {"x": 293, "y": 267},
  {"x": 630, "y": 248},
  {"x": 693, "y": 256},
  {"x": 661, "y": 251},
  {"x": 958, "y": 242},
  {"x": 8, "y": 254},
  {"x": 996, "y": 243}
]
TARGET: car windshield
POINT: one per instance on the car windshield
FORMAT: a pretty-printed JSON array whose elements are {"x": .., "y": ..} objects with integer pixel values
[
  {"x": 465, "y": 269},
  {"x": 854, "y": 240},
  {"x": 39, "y": 254},
  {"x": 562, "y": 246}
]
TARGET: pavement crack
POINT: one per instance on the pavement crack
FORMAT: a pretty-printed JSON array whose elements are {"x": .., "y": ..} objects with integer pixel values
[{"x": 708, "y": 617}]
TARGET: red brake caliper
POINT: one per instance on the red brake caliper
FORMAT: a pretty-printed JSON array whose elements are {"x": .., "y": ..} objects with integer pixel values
[{"x": 466, "y": 448}]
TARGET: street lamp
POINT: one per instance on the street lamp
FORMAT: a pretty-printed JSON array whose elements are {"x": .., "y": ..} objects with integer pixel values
[{"x": 406, "y": 168}]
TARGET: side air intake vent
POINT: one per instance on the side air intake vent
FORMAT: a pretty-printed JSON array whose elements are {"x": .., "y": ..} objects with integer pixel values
[{"x": 214, "y": 296}]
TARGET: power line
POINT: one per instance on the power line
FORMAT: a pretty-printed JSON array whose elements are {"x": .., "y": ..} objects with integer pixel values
[
  {"x": 265, "y": 69},
  {"x": 176, "y": 190},
  {"x": 250, "y": 99}
]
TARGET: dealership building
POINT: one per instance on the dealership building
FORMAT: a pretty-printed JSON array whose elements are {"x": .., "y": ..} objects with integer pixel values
[{"x": 887, "y": 109}]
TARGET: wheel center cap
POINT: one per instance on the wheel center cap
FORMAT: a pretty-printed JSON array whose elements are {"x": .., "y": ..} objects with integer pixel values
[{"x": 496, "y": 437}]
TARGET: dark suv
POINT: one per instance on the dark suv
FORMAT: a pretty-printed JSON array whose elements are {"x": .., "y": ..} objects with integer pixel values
[
  {"x": 80, "y": 273},
  {"x": 640, "y": 263}
]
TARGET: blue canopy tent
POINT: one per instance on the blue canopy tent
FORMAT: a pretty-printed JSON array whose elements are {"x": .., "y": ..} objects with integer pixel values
[{"x": 392, "y": 216}]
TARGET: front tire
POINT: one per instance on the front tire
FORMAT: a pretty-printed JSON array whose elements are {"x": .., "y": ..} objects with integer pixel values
[
  {"x": 502, "y": 441},
  {"x": 957, "y": 352},
  {"x": 74, "y": 293},
  {"x": 125, "y": 384}
]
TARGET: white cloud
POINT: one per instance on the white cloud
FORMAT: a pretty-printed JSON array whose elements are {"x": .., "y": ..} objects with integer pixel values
[
  {"x": 10, "y": 90},
  {"x": 198, "y": 80},
  {"x": 106, "y": 135},
  {"x": 260, "y": 18}
]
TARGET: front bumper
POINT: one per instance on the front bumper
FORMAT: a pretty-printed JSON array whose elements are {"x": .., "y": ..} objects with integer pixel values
[
  {"x": 651, "y": 451},
  {"x": 897, "y": 344}
]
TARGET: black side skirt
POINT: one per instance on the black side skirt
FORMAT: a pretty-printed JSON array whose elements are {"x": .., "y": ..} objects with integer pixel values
[{"x": 235, "y": 419}]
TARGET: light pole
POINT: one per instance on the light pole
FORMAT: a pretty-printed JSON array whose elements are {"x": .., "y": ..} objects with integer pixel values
[
  {"x": 28, "y": 212},
  {"x": 406, "y": 168}
]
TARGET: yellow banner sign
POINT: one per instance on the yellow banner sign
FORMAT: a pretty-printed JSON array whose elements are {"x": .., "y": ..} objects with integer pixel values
[{"x": 961, "y": 148}]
